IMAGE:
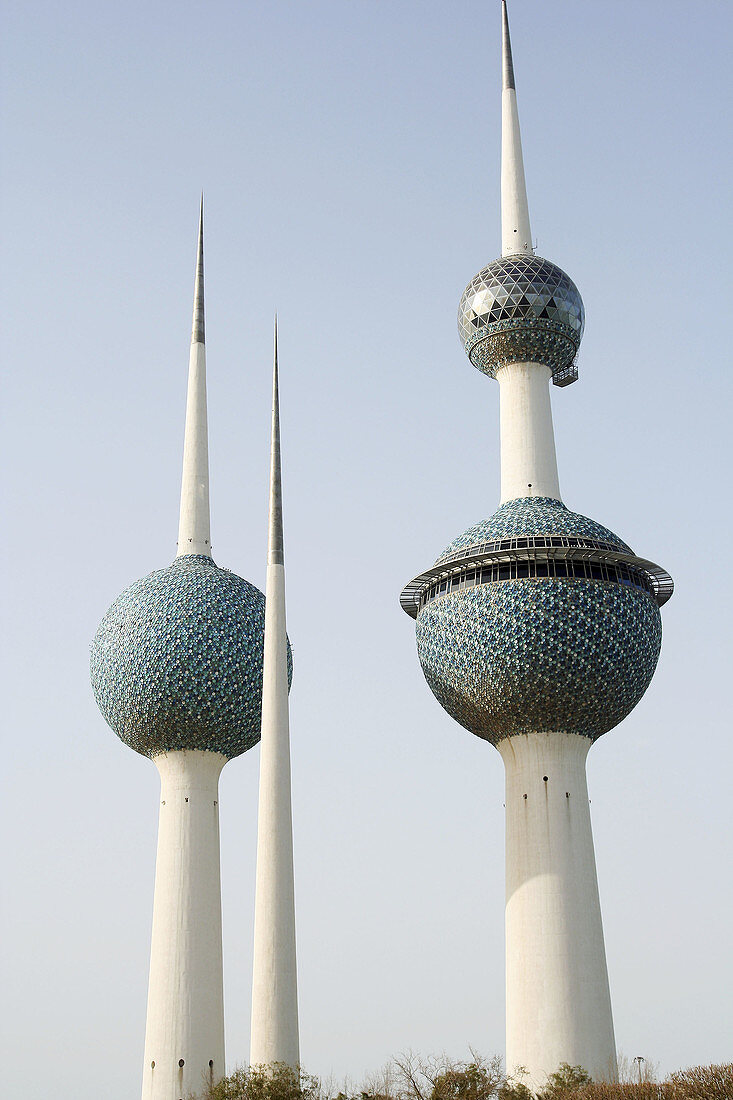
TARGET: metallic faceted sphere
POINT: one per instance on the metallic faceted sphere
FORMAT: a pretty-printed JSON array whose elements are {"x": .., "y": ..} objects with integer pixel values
[
  {"x": 544, "y": 653},
  {"x": 177, "y": 660},
  {"x": 521, "y": 309}
]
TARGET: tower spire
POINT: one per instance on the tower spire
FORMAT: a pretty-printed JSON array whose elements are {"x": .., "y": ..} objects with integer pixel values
[
  {"x": 275, "y": 535},
  {"x": 274, "y": 1036},
  {"x": 197, "y": 330},
  {"x": 516, "y": 234},
  {"x": 194, "y": 529},
  {"x": 506, "y": 46}
]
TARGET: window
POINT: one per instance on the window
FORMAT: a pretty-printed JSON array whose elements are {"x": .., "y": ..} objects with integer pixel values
[{"x": 525, "y": 566}]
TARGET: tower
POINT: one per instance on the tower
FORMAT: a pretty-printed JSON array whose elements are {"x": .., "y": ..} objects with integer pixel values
[
  {"x": 176, "y": 669},
  {"x": 274, "y": 986},
  {"x": 538, "y": 630}
]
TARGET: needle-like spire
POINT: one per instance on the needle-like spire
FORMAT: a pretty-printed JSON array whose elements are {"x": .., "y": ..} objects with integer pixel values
[
  {"x": 508, "y": 65},
  {"x": 274, "y": 973},
  {"x": 275, "y": 536},
  {"x": 516, "y": 234},
  {"x": 194, "y": 532},
  {"x": 197, "y": 331}
]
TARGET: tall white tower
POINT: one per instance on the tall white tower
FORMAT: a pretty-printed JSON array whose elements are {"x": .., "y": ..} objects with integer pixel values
[
  {"x": 176, "y": 669},
  {"x": 539, "y": 630},
  {"x": 274, "y": 1036}
]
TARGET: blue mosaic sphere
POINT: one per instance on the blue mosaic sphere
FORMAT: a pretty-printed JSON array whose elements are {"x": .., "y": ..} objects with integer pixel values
[
  {"x": 521, "y": 309},
  {"x": 539, "y": 654},
  {"x": 177, "y": 660}
]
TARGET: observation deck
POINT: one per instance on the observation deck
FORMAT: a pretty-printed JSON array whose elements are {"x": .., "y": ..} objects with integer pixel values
[
  {"x": 538, "y": 556},
  {"x": 522, "y": 309}
]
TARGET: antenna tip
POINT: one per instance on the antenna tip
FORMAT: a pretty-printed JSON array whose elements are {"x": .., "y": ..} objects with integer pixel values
[
  {"x": 198, "y": 329},
  {"x": 508, "y": 64}
]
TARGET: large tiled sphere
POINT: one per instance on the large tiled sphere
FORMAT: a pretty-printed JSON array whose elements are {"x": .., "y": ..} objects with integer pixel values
[
  {"x": 522, "y": 309},
  {"x": 541, "y": 654},
  {"x": 177, "y": 660}
]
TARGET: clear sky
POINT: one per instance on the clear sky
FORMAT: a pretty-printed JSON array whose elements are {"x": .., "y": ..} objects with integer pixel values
[{"x": 349, "y": 155}]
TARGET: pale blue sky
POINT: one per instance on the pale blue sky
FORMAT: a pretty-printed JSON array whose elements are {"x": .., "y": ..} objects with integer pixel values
[{"x": 349, "y": 155}]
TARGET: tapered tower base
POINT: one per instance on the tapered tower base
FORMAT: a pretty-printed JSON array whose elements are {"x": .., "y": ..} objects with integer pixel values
[
  {"x": 558, "y": 1000},
  {"x": 184, "y": 1038}
]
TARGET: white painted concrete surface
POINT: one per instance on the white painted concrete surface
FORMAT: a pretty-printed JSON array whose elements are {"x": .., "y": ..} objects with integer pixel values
[
  {"x": 528, "y": 460},
  {"x": 516, "y": 234},
  {"x": 558, "y": 1000},
  {"x": 194, "y": 529},
  {"x": 274, "y": 1035},
  {"x": 185, "y": 1020},
  {"x": 194, "y": 532}
]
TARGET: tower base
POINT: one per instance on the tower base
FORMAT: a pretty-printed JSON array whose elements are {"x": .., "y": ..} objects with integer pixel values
[
  {"x": 558, "y": 1002},
  {"x": 184, "y": 1037}
]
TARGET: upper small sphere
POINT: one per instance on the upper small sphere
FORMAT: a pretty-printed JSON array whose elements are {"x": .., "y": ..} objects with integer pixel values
[
  {"x": 521, "y": 309},
  {"x": 177, "y": 660}
]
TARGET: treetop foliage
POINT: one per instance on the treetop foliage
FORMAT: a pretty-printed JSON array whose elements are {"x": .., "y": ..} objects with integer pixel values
[{"x": 409, "y": 1077}]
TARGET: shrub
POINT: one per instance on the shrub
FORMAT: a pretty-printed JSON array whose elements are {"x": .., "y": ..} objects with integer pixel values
[
  {"x": 275, "y": 1082},
  {"x": 647, "y": 1090},
  {"x": 564, "y": 1082},
  {"x": 702, "y": 1083},
  {"x": 409, "y": 1077}
]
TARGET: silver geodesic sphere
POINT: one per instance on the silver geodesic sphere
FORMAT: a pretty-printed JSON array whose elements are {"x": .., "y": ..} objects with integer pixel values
[{"x": 522, "y": 309}]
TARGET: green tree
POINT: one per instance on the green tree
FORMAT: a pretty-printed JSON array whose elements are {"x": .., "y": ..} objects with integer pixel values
[
  {"x": 564, "y": 1082},
  {"x": 445, "y": 1079},
  {"x": 472, "y": 1081},
  {"x": 514, "y": 1090},
  {"x": 274, "y": 1082}
]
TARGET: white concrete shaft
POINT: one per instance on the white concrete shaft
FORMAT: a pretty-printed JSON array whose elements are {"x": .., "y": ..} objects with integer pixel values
[
  {"x": 274, "y": 989},
  {"x": 528, "y": 460},
  {"x": 194, "y": 530},
  {"x": 185, "y": 996},
  {"x": 516, "y": 234},
  {"x": 274, "y": 1036},
  {"x": 558, "y": 1001}
]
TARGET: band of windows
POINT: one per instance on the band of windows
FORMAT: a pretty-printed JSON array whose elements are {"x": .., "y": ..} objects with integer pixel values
[
  {"x": 529, "y": 567},
  {"x": 533, "y": 542}
]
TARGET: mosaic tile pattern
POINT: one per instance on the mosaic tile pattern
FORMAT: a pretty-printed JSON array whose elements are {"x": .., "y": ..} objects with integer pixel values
[
  {"x": 539, "y": 655},
  {"x": 177, "y": 660},
  {"x": 521, "y": 309},
  {"x": 533, "y": 516}
]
